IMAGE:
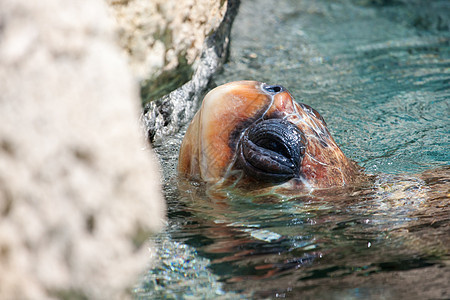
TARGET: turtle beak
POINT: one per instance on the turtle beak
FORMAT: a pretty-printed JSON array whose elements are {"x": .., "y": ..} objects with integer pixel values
[{"x": 271, "y": 151}]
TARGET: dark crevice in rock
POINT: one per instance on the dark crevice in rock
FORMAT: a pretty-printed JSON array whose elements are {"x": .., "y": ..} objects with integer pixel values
[
  {"x": 90, "y": 223},
  {"x": 7, "y": 147}
]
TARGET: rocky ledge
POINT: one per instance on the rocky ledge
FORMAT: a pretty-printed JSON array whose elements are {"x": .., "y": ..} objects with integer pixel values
[{"x": 174, "y": 54}]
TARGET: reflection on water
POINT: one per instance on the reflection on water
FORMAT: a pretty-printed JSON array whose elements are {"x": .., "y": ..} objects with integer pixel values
[{"x": 378, "y": 71}]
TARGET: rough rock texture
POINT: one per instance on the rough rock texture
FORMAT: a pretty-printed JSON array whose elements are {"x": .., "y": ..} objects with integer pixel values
[
  {"x": 174, "y": 54},
  {"x": 175, "y": 28},
  {"x": 168, "y": 114},
  {"x": 79, "y": 194}
]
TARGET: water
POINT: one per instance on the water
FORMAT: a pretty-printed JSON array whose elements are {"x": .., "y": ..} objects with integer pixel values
[{"x": 378, "y": 72}]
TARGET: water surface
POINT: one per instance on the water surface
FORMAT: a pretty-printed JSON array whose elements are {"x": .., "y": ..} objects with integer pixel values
[{"x": 379, "y": 73}]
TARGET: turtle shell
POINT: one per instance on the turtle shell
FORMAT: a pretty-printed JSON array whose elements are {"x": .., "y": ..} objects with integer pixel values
[{"x": 256, "y": 133}]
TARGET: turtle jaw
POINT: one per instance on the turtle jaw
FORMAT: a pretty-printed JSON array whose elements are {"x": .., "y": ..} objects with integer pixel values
[{"x": 271, "y": 151}]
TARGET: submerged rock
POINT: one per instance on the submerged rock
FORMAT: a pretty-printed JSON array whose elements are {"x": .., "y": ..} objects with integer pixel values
[{"x": 79, "y": 194}]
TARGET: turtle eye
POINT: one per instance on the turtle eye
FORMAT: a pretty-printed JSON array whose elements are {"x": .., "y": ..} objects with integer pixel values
[{"x": 273, "y": 89}]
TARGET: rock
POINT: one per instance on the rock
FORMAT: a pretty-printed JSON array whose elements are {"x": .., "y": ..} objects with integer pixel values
[
  {"x": 168, "y": 114},
  {"x": 175, "y": 28},
  {"x": 79, "y": 193},
  {"x": 174, "y": 54}
]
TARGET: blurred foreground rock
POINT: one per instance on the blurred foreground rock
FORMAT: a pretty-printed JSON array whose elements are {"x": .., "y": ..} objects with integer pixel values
[{"x": 79, "y": 194}]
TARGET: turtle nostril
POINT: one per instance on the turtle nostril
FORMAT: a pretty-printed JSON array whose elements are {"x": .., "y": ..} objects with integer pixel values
[{"x": 273, "y": 89}]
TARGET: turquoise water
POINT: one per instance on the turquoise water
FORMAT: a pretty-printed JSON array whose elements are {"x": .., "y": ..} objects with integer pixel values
[
  {"x": 381, "y": 83},
  {"x": 379, "y": 73}
]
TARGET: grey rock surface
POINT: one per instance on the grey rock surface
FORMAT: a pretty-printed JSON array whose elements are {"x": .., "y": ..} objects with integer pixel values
[
  {"x": 156, "y": 33},
  {"x": 168, "y": 114},
  {"x": 174, "y": 53},
  {"x": 79, "y": 191}
]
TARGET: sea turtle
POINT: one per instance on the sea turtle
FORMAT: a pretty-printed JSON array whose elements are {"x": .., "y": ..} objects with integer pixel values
[
  {"x": 248, "y": 134},
  {"x": 255, "y": 133}
]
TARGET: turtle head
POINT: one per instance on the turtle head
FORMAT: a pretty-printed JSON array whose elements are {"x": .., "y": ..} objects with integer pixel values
[
  {"x": 271, "y": 149},
  {"x": 259, "y": 131}
]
